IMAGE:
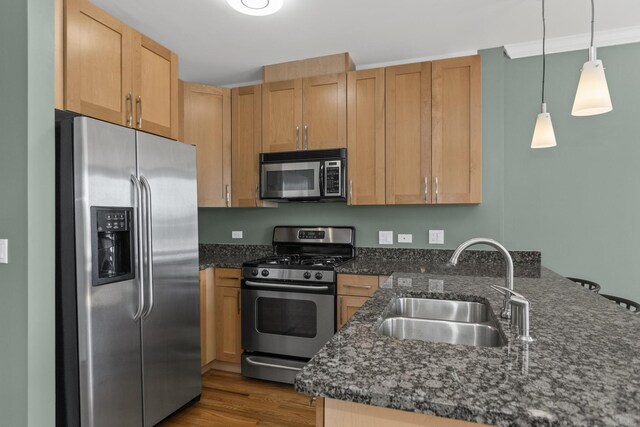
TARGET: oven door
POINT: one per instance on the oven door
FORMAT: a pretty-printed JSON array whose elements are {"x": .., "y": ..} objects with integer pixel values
[
  {"x": 286, "y": 323},
  {"x": 290, "y": 180}
]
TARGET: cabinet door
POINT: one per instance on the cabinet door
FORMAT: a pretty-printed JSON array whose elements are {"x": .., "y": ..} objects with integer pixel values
[
  {"x": 228, "y": 324},
  {"x": 246, "y": 143},
  {"x": 365, "y": 137},
  {"x": 282, "y": 116},
  {"x": 357, "y": 284},
  {"x": 457, "y": 130},
  {"x": 98, "y": 64},
  {"x": 347, "y": 307},
  {"x": 408, "y": 133},
  {"x": 207, "y": 125},
  {"x": 324, "y": 112},
  {"x": 207, "y": 317},
  {"x": 155, "y": 87}
]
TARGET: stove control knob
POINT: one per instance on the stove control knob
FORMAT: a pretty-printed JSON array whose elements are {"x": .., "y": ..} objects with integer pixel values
[
  {"x": 307, "y": 275},
  {"x": 265, "y": 273},
  {"x": 318, "y": 275},
  {"x": 254, "y": 271}
]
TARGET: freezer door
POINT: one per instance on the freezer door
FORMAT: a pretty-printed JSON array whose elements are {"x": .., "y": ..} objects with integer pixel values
[
  {"x": 108, "y": 336},
  {"x": 171, "y": 320}
]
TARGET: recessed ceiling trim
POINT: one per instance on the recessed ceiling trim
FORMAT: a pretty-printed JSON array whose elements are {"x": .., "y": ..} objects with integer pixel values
[
  {"x": 577, "y": 42},
  {"x": 414, "y": 60}
]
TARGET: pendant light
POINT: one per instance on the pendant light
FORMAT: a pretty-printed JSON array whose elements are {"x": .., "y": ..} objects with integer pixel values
[
  {"x": 543, "y": 135},
  {"x": 592, "y": 96}
]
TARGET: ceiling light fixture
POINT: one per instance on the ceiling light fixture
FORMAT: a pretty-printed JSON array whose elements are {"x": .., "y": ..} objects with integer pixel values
[
  {"x": 592, "y": 96},
  {"x": 256, "y": 7},
  {"x": 543, "y": 135}
]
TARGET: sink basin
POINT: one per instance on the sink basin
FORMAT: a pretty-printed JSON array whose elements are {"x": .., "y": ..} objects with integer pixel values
[
  {"x": 423, "y": 308},
  {"x": 474, "y": 334},
  {"x": 444, "y": 321}
]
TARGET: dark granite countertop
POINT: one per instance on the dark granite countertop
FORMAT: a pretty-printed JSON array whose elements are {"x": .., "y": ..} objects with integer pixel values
[
  {"x": 582, "y": 369},
  {"x": 230, "y": 256}
]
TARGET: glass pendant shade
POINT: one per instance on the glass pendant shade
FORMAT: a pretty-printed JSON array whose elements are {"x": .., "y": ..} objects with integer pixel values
[
  {"x": 592, "y": 96},
  {"x": 543, "y": 135}
]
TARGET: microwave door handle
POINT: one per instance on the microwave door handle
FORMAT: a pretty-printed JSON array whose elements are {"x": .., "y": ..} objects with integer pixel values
[{"x": 321, "y": 180}]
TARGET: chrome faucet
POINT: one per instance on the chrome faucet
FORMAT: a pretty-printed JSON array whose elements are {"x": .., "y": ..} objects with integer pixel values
[
  {"x": 520, "y": 315},
  {"x": 506, "y": 307}
]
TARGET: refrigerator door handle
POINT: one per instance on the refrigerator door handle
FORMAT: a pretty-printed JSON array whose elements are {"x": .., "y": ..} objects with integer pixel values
[
  {"x": 149, "y": 226},
  {"x": 138, "y": 192}
]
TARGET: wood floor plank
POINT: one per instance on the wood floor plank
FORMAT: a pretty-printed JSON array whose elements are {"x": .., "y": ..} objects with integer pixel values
[{"x": 231, "y": 400}]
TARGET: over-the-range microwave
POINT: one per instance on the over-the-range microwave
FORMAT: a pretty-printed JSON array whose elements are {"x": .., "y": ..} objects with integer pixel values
[{"x": 306, "y": 175}]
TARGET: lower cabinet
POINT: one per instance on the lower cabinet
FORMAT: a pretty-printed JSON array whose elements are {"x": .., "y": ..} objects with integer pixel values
[
  {"x": 353, "y": 291},
  {"x": 227, "y": 319},
  {"x": 207, "y": 317}
]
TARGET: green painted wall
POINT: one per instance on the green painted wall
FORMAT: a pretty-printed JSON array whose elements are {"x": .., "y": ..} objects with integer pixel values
[
  {"x": 27, "y": 213},
  {"x": 576, "y": 203}
]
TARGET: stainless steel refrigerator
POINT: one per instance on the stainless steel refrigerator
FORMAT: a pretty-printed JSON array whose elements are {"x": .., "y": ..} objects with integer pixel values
[{"x": 127, "y": 292}]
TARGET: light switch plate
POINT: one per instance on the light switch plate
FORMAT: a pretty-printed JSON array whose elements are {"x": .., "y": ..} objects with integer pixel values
[
  {"x": 436, "y": 237},
  {"x": 405, "y": 238},
  {"x": 4, "y": 251},
  {"x": 236, "y": 234},
  {"x": 385, "y": 237}
]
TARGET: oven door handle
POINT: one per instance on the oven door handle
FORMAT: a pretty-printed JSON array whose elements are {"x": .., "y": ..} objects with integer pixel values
[
  {"x": 277, "y": 286},
  {"x": 271, "y": 365}
]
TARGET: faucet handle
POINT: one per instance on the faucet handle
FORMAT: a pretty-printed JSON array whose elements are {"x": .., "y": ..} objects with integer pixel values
[{"x": 500, "y": 289}]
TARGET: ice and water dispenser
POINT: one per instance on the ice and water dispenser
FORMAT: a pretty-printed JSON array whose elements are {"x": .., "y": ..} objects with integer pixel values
[{"x": 112, "y": 241}]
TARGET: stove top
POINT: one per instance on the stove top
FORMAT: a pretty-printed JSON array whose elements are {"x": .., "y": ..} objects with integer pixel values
[{"x": 298, "y": 260}]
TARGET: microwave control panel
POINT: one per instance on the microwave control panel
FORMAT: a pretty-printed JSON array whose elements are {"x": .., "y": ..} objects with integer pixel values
[{"x": 333, "y": 178}]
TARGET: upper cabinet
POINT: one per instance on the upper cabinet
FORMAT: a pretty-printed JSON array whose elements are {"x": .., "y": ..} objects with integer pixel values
[
  {"x": 457, "y": 130},
  {"x": 366, "y": 137},
  {"x": 207, "y": 125},
  {"x": 113, "y": 73},
  {"x": 305, "y": 114},
  {"x": 408, "y": 148}
]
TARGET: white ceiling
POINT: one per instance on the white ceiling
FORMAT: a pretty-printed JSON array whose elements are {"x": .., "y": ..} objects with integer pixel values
[{"x": 220, "y": 46}]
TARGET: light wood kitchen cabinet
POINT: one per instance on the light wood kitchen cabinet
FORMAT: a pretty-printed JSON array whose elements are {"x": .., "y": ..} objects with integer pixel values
[
  {"x": 281, "y": 116},
  {"x": 366, "y": 137},
  {"x": 408, "y": 130},
  {"x": 227, "y": 306},
  {"x": 304, "y": 114},
  {"x": 207, "y": 125},
  {"x": 457, "y": 130},
  {"x": 112, "y": 72},
  {"x": 207, "y": 317},
  {"x": 353, "y": 291},
  {"x": 246, "y": 145}
]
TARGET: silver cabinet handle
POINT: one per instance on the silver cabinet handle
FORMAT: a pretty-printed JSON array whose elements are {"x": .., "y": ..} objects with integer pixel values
[
  {"x": 138, "y": 226},
  {"x": 227, "y": 196},
  {"x": 257, "y": 193},
  {"x": 351, "y": 192},
  {"x": 426, "y": 189},
  {"x": 278, "y": 286},
  {"x": 250, "y": 361},
  {"x": 306, "y": 137},
  {"x": 139, "y": 111},
  {"x": 297, "y": 137},
  {"x": 358, "y": 286},
  {"x": 436, "y": 190},
  {"x": 148, "y": 219},
  {"x": 129, "y": 109}
]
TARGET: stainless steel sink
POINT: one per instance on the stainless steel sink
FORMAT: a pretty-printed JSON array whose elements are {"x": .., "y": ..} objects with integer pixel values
[
  {"x": 475, "y": 334},
  {"x": 423, "y": 308},
  {"x": 445, "y": 321}
]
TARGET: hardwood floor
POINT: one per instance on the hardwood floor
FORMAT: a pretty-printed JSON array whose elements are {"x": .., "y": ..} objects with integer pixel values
[{"x": 230, "y": 400}]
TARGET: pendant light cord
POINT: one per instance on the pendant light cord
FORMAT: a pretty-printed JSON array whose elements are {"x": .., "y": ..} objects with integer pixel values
[
  {"x": 544, "y": 39},
  {"x": 593, "y": 14}
]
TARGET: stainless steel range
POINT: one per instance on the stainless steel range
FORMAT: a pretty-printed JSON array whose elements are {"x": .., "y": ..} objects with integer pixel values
[{"x": 289, "y": 300}]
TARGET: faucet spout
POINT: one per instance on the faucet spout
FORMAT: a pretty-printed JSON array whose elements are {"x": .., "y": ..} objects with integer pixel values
[{"x": 506, "y": 309}]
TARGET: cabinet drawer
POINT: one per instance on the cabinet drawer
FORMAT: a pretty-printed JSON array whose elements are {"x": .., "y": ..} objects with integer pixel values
[
  {"x": 357, "y": 284},
  {"x": 229, "y": 277}
]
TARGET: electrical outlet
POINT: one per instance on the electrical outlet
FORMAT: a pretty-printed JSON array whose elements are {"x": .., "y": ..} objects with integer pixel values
[
  {"x": 385, "y": 237},
  {"x": 436, "y": 237},
  {"x": 236, "y": 234},
  {"x": 405, "y": 238},
  {"x": 436, "y": 285},
  {"x": 4, "y": 251},
  {"x": 404, "y": 282}
]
